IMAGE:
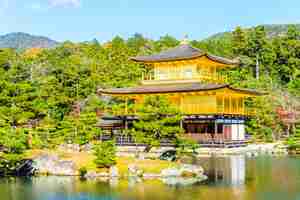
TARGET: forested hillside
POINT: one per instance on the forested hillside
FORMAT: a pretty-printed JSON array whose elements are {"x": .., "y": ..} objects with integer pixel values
[
  {"x": 48, "y": 96},
  {"x": 25, "y": 40},
  {"x": 272, "y": 30}
]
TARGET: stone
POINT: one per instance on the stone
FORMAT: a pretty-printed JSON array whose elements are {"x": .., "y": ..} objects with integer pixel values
[
  {"x": 66, "y": 168},
  {"x": 182, "y": 170},
  {"x": 133, "y": 170},
  {"x": 87, "y": 147},
  {"x": 132, "y": 181},
  {"x": 185, "y": 174},
  {"x": 51, "y": 164},
  {"x": 193, "y": 170},
  {"x": 94, "y": 175},
  {"x": 170, "y": 172},
  {"x": 180, "y": 181},
  {"x": 113, "y": 171},
  {"x": 44, "y": 163}
]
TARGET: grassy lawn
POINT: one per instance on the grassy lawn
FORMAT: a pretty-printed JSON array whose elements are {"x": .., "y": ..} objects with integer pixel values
[{"x": 84, "y": 159}]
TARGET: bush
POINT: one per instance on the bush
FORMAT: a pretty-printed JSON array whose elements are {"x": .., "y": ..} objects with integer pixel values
[
  {"x": 82, "y": 172},
  {"x": 188, "y": 174},
  {"x": 186, "y": 145},
  {"x": 9, "y": 162},
  {"x": 105, "y": 153}
]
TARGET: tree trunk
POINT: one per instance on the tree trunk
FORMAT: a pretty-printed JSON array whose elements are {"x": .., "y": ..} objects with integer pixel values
[{"x": 257, "y": 68}]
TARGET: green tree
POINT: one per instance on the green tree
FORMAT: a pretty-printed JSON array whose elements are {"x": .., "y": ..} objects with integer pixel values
[
  {"x": 157, "y": 120},
  {"x": 105, "y": 153},
  {"x": 79, "y": 129},
  {"x": 239, "y": 41},
  {"x": 264, "y": 125}
]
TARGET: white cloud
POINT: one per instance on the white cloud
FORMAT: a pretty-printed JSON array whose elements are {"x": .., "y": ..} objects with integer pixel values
[{"x": 65, "y": 3}]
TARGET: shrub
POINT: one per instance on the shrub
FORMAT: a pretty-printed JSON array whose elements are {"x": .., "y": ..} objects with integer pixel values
[
  {"x": 82, "y": 172},
  {"x": 186, "y": 145},
  {"x": 188, "y": 174},
  {"x": 105, "y": 153}
]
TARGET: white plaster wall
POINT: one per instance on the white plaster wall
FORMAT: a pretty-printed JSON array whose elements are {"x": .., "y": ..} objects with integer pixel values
[
  {"x": 234, "y": 132},
  {"x": 241, "y": 128}
]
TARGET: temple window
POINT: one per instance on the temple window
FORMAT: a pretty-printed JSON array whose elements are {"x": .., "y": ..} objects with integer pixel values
[
  {"x": 188, "y": 73},
  {"x": 162, "y": 74}
]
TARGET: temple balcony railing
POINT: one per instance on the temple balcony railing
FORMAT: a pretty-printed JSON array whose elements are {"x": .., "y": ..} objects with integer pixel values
[
  {"x": 128, "y": 140},
  {"x": 193, "y": 109},
  {"x": 247, "y": 111},
  {"x": 220, "y": 110},
  {"x": 205, "y": 77}
]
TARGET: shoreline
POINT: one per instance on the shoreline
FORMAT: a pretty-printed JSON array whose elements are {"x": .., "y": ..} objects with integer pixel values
[{"x": 68, "y": 162}]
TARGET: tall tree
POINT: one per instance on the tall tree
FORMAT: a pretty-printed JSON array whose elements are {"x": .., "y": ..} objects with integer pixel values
[{"x": 239, "y": 41}]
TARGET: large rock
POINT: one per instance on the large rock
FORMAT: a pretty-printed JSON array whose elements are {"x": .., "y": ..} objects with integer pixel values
[
  {"x": 183, "y": 175},
  {"x": 170, "y": 172},
  {"x": 180, "y": 181},
  {"x": 134, "y": 171},
  {"x": 65, "y": 167},
  {"x": 87, "y": 147},
  {"x": 194, "y": 170},
  {"x": 51, "y": 164},
  {"x": 94, "y": 175},
  {"x": 45, "y": 163},
  {"x": 183, "y": 170}
]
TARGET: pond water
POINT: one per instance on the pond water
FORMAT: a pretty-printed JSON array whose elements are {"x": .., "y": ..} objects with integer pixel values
[{"x": 230, "y": 178}]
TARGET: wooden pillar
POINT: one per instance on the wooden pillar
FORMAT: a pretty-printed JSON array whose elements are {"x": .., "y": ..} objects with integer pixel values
[
  {"x": 134, "y": 105},
  {"x": 216, "y": 129},
  {"x": 181, "y": 103},
  {"x": 126, "y": 105},
  {"x": 230, "y": 106},
  {"x": 243, "y": 105},
  {"x": 126, "y": 123},
  {"x": 181, "y": 124},
  {"x": 223, "y": 104}
]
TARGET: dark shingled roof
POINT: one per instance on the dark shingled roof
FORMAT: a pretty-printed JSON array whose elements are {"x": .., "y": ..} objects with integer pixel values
[
  {"x": 173, "y": 88},
  {"x": 182, "y": 52}
]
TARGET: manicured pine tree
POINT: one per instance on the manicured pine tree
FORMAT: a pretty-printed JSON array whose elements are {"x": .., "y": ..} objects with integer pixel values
[{"x": 157, "y": 120}]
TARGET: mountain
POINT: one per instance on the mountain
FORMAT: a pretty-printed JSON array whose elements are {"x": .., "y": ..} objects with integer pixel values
[
  {"x": 24, "y": 40},
  {"x": 272, "y": 30}
]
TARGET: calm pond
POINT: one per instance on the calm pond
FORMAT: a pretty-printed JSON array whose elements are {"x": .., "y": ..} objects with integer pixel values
[{"x": 231, "y": 178}]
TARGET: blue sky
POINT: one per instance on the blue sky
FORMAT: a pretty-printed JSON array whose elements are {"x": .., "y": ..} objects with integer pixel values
[{"x": 81, "y": 20}]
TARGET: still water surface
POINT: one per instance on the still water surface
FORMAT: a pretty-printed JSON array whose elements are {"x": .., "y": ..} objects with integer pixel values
[{"x": 231, "y": 178}]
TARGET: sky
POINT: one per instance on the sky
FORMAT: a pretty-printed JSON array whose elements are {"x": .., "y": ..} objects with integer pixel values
[{"x": 84, "y": 20}]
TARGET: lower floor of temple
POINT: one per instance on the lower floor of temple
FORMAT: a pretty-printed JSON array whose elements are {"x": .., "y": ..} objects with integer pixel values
[{"x": 207, "y": 130}]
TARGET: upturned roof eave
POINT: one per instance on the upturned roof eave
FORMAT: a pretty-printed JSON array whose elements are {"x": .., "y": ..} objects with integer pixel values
[
  {"x": 141, "y": 60},
  {"x": 214, "y": 58},
  {"x": 180, "y": 53},
  {"x": 126, "y": 91}
]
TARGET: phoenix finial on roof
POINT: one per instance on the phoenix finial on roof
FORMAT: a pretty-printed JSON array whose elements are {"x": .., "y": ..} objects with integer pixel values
[{"x": 185, "y": 39}]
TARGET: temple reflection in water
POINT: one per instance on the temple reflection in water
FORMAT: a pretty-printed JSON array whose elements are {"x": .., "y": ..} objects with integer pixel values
[{"x": 225, "y": 170}]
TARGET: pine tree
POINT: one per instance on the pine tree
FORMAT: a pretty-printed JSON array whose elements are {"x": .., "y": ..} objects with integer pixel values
[
  {"x": 239, "y": 41},
  {"x": 157, "y": 120}
]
